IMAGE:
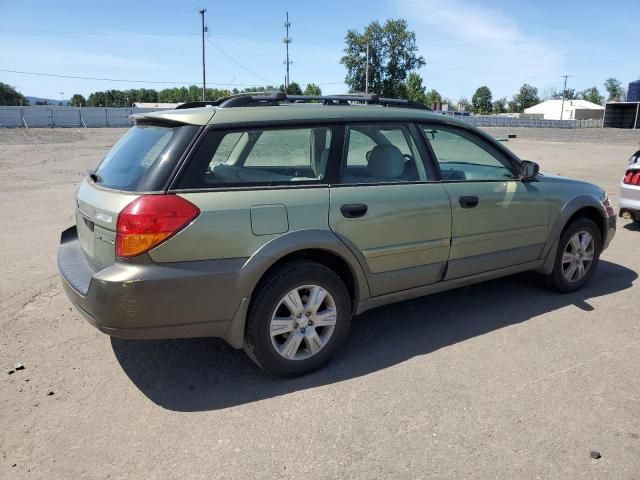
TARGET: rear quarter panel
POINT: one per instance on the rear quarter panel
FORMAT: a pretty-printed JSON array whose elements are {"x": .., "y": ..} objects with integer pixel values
[{"x": 226, "y": 229}]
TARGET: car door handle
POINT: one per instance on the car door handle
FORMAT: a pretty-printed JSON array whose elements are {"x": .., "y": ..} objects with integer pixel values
[
  {"x": 354, "y": 210},
  {"x": 469, "y": 202}
]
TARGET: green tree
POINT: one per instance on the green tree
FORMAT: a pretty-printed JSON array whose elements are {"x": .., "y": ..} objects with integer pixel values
[
  {"x": 77, "y": 101},
  {"x": 569, "y": 94},
  {"x": 525, "y": 98},
  {"x": 500, "y": 105},
  {"x": 10, "y": 96},
  {"x": 432, "y": 96},
  {"x": 482, "y": 100},
  {"x": 393, "y": 53},
  {"x": 313, "y": 90},
  {"x": 592, "y": 95},
  {"x": 414, "y": 89},
  {"x": 294, "y": 89},
  {"x": 614, "y": 87}
]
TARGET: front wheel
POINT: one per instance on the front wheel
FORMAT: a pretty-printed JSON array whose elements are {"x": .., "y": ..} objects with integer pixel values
[
  {"x": 299, "y": 316},
  {"x": 577, "y": 256}
]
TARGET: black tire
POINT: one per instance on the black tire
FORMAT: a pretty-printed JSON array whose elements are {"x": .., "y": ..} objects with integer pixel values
[
  {"x": 266, "y": 299},
  {"x": 556, "y": 280}
]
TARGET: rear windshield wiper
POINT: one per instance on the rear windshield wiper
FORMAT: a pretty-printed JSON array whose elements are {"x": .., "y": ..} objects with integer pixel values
[{"x": 94, "y": 176}]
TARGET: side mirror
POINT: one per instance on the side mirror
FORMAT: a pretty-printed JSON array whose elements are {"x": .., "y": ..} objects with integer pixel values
[{"x": 529, "y": 170}]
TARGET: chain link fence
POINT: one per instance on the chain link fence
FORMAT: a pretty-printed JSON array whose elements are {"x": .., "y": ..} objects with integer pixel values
[
  {"x": 497, "y": 121},
  {"x": 52, "y": 116}
]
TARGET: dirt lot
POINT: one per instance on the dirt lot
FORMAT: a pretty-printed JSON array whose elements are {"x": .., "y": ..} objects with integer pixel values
[{"x": 499, "y": 380}]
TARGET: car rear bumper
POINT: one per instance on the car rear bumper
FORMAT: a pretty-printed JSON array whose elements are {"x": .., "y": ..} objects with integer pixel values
[
  {"x": 148, "y": 300},
  {"x": 630, "y": 201}
]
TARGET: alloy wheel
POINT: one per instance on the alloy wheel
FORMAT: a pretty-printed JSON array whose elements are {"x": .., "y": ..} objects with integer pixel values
[
  {"x": 578, "y": 256},
  {"x": 303, "y": 322}
]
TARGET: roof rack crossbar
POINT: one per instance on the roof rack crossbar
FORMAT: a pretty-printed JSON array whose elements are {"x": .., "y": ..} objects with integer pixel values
[{"x": 279, "y": 98}]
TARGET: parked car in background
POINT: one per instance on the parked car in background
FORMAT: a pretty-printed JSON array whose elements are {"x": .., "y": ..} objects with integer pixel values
[
  {"x": 271, "y": 222},
  {"x": 630, "y": 190}
]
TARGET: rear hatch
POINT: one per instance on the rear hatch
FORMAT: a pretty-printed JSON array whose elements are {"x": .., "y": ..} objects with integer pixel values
[{"x": 142, "y": 161}]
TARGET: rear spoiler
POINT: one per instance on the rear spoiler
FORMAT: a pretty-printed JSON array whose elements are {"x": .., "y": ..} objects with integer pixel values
[{"x": 182, "y": 117}]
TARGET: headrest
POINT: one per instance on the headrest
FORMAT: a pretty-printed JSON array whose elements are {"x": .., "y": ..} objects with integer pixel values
[{"x": 386, "y": 161}]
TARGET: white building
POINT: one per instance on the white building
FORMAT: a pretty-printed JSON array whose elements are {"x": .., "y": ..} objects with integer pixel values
[{"x": 573, "y": 110}]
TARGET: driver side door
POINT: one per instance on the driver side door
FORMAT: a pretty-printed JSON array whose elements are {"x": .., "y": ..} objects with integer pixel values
[{"x": 498, "y": 220}]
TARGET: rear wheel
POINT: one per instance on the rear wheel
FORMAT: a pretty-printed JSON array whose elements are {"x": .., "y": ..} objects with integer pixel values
[
  {"x": 577, "y": 256},
  {"x": 299, "y": 316}
]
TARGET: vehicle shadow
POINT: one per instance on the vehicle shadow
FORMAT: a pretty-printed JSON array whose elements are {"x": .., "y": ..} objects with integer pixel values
[
  {"x": 632, "y": 226},
  {"x": 207, "y": 374}
]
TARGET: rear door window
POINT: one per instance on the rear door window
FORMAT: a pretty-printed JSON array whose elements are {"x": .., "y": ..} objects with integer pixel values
[
  {"x": 144, "y": 157},
  {"x": 265, "y": 156},
  {"x": 380, "y": 153}
]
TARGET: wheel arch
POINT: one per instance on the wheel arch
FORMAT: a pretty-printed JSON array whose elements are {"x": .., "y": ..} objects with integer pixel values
[
  {"x": 582, "y": 206},
  {"x": 321, "y": 246}
]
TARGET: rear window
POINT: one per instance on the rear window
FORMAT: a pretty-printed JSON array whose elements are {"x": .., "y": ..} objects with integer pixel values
[{"x": 144, "y": 158}]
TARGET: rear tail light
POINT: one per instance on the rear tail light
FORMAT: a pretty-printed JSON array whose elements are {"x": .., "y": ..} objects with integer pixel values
[
  {"x": 150, "y": 220},
  {"x": 632, "y": 177}
]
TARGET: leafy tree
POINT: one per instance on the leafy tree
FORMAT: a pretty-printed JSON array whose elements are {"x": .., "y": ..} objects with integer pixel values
[
  {"x": 294, "y": 89},
  {"x": 10, "y": 96},
  {"x": 77, "y": 101},
  {"x": 592, "y": 95},
  {"x": 414, "y": 90},
  {"x": 614, "y": 87},
  {"x": 393, "y": 53},
  {"x": 313, "y": 90},
  {"x": 525, "y": 98},
  {"x": 432, "y": 96},
  {"x": 482, "y": 100},
  {"x": 500, "y": 105},
  {"x": 569, "y": 94}
]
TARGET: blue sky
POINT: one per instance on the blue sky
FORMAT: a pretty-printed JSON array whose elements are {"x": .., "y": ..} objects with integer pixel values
[{"x": 466, "y": 44}]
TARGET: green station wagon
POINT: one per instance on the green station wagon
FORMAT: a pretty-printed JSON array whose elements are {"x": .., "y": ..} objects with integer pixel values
[{"x": 270, "y": 221}]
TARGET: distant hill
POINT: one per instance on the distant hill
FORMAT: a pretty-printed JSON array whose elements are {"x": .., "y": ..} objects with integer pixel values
[{"x": 50, "y": 101}]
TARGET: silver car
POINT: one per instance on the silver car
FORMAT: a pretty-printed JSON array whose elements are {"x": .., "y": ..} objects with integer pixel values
[{"x": 630, "y": 190}]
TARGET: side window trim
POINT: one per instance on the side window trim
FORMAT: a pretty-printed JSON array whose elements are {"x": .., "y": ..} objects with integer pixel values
[
  {"x": 502, "y": 158},
  {"x": 331, "y": 172}
]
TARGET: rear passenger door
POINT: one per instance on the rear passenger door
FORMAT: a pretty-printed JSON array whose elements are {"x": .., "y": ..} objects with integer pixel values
[
  {"x": 498, "y": 221},
  {"x": 388, "y": 206}
]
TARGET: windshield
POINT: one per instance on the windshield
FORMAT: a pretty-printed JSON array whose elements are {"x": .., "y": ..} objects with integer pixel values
[{"x": 144, "y": 158}]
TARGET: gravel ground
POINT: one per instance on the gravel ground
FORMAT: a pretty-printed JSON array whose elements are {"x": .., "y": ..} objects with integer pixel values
[{"x": 499, "y": 380}]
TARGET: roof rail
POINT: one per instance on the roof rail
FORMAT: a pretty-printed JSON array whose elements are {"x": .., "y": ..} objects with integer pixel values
[{"x": 279, "y": 98}]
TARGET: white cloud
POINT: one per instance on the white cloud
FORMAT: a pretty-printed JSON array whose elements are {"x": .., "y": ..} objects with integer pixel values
[{"x": 468, "y": 45}]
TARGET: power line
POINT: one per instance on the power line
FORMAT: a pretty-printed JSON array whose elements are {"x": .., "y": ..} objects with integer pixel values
[
  {"x": 80, "y": 77},
  {"x": 239, "y": 64},
  {"x": 165, "y": 82}
]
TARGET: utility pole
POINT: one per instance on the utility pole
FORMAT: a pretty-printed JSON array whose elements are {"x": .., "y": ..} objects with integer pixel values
[
  {"x": 204, "y": 75},
  {"x": 287, "y": 62},
  {"x": 366, "y": 72},
  {"x": 564, "y": 90}
]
